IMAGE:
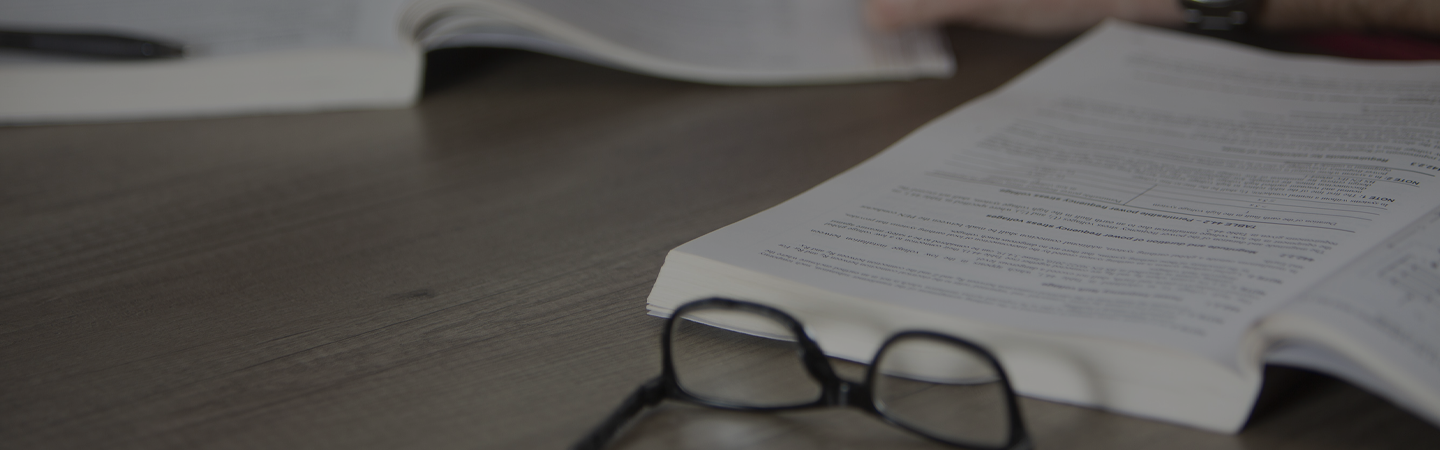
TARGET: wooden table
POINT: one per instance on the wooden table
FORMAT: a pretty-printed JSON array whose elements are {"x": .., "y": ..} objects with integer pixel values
[{"x": 469, "y": 273}]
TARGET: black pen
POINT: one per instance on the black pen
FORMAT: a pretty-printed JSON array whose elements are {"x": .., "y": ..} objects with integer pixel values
[{"x": 91, "y": 44}]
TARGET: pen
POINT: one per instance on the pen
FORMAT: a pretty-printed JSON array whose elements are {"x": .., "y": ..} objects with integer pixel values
[{"x": 91, "y": 44}]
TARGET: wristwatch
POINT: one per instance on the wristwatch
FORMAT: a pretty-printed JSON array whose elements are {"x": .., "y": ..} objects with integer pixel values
[{"x": 1219, "y": 15}]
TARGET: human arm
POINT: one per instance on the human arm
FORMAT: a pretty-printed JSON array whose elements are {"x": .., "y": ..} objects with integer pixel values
[{"x": 1058, "y": 17}]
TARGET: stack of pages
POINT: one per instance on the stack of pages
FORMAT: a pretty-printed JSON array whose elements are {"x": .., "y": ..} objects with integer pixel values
[
  {"x": 1139, "y": 224},
  {"x": 249, "y": 56}
]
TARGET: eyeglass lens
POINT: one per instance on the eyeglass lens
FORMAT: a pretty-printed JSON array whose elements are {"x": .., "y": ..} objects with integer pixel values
[
  {"x": 740, "y": 369},
  {"x": 943, "y": 389}
]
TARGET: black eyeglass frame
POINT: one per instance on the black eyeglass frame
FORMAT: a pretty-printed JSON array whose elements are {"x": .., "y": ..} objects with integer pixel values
[{"x": 835, "y": 391}]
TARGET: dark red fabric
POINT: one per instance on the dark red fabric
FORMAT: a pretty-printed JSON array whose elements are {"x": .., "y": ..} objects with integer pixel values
[{"x": 1374, "y": 45}]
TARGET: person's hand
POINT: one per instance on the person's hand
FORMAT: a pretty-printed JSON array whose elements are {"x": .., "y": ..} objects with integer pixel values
[
  {"x": 1034, "y": 17},
  {"x": 1058, "y": 17}
]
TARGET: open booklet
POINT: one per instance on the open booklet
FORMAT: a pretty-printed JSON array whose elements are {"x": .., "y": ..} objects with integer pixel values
[
  {"x": 247, "y": 56},
  {"x": 1138, "y": 224}
]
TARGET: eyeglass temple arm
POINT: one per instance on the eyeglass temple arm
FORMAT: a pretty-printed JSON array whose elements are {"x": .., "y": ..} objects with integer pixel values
[{"x": 647, "y": 395}]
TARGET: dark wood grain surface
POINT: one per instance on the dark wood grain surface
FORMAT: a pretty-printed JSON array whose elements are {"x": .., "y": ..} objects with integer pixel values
[{"x": 467, "y": 274}]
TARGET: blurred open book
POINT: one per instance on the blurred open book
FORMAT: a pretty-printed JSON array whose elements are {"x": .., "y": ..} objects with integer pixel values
[{"x": 263, "y": 56}]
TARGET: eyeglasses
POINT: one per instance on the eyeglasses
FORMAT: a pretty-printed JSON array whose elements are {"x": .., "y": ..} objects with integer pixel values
[{"x": 739, "y": 355}]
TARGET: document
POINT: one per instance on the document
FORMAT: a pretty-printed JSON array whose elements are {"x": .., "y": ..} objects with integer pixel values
[
  {"x": 1138, "y": 223},
  {"x": 249, "y": 56},
  {"x": 1379, "y": 316},
  {"x": 1136, "y": 187}
]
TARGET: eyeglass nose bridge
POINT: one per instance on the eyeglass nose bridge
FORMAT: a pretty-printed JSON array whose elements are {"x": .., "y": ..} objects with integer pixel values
[{"x": 850, "y": 393}]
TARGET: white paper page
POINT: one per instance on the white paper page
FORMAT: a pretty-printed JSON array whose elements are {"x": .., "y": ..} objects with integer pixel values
[
  {"x": 1384, "y": 311},
  {"x": 1141, "y": 185},
  {"x": 212, "y": 27},
  {"x": 241, "y": 57},
  {"x": 730, "y": 41}
]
